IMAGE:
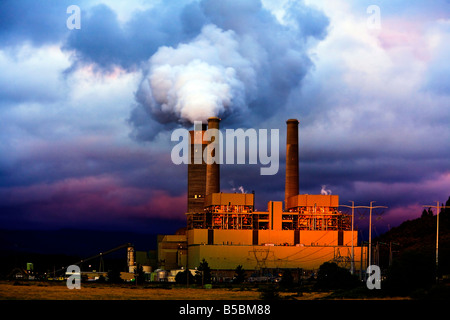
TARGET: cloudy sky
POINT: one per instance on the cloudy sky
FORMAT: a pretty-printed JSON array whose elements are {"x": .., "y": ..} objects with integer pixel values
[{"x": 86, "y": 114}]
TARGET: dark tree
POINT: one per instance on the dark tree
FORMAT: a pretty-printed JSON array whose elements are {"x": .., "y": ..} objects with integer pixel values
[
  {"x": 426, "y": 213},
  {"x": 114, "y": 276},
  {"x": 447, "y": 204},
  {"x": 411, "y": 271},
  {"x": 203, "y": 273},
  {"x": 239, "y": 274},
  {"x": 181, "y": 277},
  {"x": 287, "y": 279},
  {"x": 331, "y": 276},
  {"x": 139, "y": 274}
]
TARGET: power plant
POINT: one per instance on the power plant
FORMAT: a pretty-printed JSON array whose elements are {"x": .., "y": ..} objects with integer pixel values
[{"x": 225, "y": 230}]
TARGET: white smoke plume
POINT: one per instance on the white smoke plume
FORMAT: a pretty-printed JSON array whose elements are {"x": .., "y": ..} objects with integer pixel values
[
  {"x": 325, "y": 191},
  {"x": 200, "y": 79},
  {"x": 234, "y": 59},
  {"x": 236, "y": 189},
  {"x": 240, "y": 189}
]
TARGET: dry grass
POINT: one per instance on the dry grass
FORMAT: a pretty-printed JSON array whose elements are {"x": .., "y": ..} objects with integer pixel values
[
  {"x": 89, "y": 291},
  {"x": 58, "y": 291}
]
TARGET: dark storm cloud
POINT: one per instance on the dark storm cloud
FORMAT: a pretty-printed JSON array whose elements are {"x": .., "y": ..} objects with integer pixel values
[
  {"x": 374, "y": 113},
  {"x": 90, "y": 185},
  {"x": 100, "y": 40},
  {"x": 92, "y": 202},
  {"x": 38, "y": 22},
  {"x": 106, "y": 42},
  {"x": 275, "y": 52},
  {"x": 54, "y": 161},
  {"x": 373, "y": 110}
]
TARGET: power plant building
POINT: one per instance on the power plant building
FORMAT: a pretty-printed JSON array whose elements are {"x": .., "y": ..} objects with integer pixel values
[{"x": 226, "y": 231}]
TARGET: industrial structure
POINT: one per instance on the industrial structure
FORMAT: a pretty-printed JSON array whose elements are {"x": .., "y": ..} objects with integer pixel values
[{"x": 226, "y": 231}]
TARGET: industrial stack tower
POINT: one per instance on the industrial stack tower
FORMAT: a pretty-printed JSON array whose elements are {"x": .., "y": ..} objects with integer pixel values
[{"x": 226, "y": 231}]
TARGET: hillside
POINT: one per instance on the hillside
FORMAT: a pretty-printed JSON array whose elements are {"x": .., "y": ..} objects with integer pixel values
[{"x": 419, "y": 236}]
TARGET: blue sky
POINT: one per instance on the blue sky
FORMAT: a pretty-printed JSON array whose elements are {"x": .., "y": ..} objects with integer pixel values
[{"x": 85, "y": 133}]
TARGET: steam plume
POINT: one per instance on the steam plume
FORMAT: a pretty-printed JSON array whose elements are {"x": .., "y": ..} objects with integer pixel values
[
  {"x": 325, "y": 191},
  {"x": 197, "y": 80},
  {"x": 241, "y": 59}
]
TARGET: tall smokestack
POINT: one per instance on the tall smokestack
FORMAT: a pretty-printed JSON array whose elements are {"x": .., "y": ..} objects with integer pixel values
[
  {"x": 292, "y": 185},
  {"x": 212, "y": 170},
  {"x": 197, "y": 171}
]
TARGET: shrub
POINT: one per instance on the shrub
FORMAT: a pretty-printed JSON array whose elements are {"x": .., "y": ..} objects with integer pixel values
[{"x": 331, "y": 277}]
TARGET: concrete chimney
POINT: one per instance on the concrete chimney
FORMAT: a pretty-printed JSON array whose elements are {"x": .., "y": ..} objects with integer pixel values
[
  {"x": 212, "y": 170},
  {"x": 197, "y": 171},
  {"x": 292, "y": 180}
]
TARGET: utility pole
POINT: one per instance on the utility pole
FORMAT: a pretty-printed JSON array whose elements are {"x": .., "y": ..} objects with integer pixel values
[
  {"x": 361, "y": 261},
  {"x": 437, "y": 206},
  {"x": 188, "y": 272},
  {"x": 378, "y": 254},
  {"x": 370, "y": 226},
  {"x": 371, "y": 207},
  {"x": 390, "y": 253}
]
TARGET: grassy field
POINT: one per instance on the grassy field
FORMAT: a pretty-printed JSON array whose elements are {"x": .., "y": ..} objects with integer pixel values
[{"x": 90, "y": 291}]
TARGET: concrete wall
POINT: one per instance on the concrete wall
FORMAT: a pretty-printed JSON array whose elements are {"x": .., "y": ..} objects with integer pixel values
[
  {"x": 234, "y": 199},
  {"x": 197, "y": 236},
  {"x": 257, "y": 257},
  {"x": 237, "y": 237},
  {"x": 168, "y": 250},
  {"x": 311, "y": 200},
  {"x": 348, "y": 238},
  {"x": 275, "y": 237},
  {"x": 319, "y": 238}
]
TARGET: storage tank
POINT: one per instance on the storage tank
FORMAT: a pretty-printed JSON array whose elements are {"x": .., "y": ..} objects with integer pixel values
[
  {"x": 161, "y": 275},
  {"x": 147, "y": 269},
  {"x": 131, "y": 269},
  {"x": 130, "y": 257}
]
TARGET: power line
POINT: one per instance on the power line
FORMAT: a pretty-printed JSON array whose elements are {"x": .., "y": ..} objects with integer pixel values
[{"x": 370, "y": 224}]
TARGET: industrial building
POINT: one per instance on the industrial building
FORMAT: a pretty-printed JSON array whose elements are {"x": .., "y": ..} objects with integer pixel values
[{"x": 226, "y": 231}]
